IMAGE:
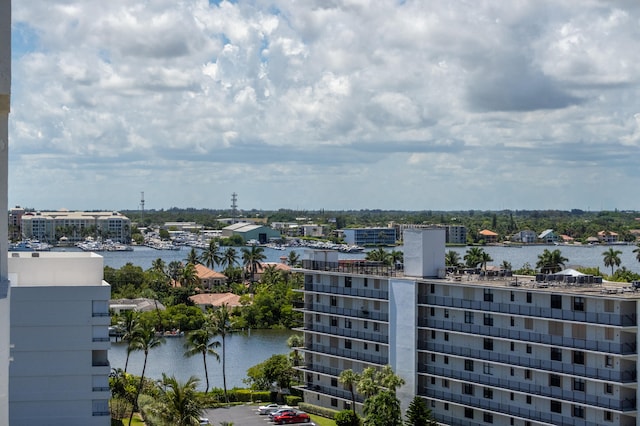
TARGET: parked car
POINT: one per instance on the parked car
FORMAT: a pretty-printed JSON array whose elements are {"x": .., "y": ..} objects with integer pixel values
[
  {"x": 292, "y": 417},
  {"x": 282, "y": 410},
  {"x": 269, "y": 408},
  {"x": 204, "y": 421}
]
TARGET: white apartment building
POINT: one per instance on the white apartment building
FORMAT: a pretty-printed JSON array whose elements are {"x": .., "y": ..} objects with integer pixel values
[
  {"x": 59, "y": 374},
  {"x": 75, "y": 226},
  {"x": 546, "y": 350}
]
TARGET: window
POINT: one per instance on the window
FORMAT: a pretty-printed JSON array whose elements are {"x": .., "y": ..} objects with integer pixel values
[
  {"x": 433, "y": 380},
  {"x": 608, "y": 361},
  {"x": 347, "y": 282},
  {"x": 318, "y": 319},
  {"x": 487, "y": 368},
  {"x": 512, "y": 396},
  {"x": 347, "y": 323},
  {"x": 513, "y": 346},
  {"x": 334, "y": 382},
  {"x": 488, "y": 393},
  {"x": 556, "y": 354},
  {"x": 468, "y": 365},
  {"x": 433, "y": 288},
  {"x": 334, "y": 402},
  {"x": 513, "y": 371},
  {"x": 433, "y": 357},
  {"x": 529, "y": 297},
  {"x": 608, "y": 416},
  {"x": 578, "y": 303},
  {"x": 445, "y": 383},
  {"x": 578, "y": 357},
  {"x": 377, "y": 347},
  {"x": 366, "y": 282},
  {"x": 608, "y": 333},
  {"x": 488, "y": 295},
  {"x": 468, "y": 412},
  {"x": 556, "y": 301},
  {"x": 513, "y": 297},
  {"x": 446, "y": 313},
  {"x": 446, "y": 337},
  {"x": 513, "y": 322},
  {"x": 347, "y": 344},
  {"x": 433, "y": 334},
  {"x": 528, "y": 399},
  {"x": 446, "y": 359},
  {"x": 467, "y": 388},
  {"x": 578, "y": 385},
  {"x": 608, "y": 388},
  {"x": 446, "y": 406},
  {"x": 333, "y": 301},
  {"x": 528, "y": 349},
  {"x": 334, "y": 322},
  {"x": 468, "y": 317},
  {"x": 487, "y": 417},
  {"x": 555, "y": 381},
  {"x": 528, "y": 323},
  {"x": 527, "y": 374},
  {"x": 555, "y": 407},
  {"x": 376, "y": 326},
  {"x": 366, "y": 325},
  {"x": 488, "y": 344},
  {"x": 488, "y": 320},
  {"x": 432, "y": 312}
]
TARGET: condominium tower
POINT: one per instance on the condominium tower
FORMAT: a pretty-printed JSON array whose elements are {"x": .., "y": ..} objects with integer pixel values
[{"x": 480, "y": 350}]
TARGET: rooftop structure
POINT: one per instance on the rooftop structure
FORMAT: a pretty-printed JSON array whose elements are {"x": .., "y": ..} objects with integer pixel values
[{"x": 543, "y": 350}]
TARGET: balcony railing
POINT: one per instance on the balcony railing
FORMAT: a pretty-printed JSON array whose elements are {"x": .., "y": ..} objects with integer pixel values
[
  {"x": 628, "y": 348},
  {"x": 356, "y": 313},
  {"x": 347, "y": 332},
  {"x": 601, "y": 318},
  {"x": 360, "y": 267},
  {"x": 347, "y": 291},
  {"x": 347, "y": 353},
  {"x": 605, "y": 374}
]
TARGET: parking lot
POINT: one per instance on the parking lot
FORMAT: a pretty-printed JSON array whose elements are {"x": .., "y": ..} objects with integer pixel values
[{"x": 240, "y": 415}]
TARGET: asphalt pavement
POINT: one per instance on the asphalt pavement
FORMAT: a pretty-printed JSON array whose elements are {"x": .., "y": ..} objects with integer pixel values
[{"x": 239, "y": 415}]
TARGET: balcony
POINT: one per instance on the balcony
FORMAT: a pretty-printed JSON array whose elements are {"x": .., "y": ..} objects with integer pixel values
[
  {"x": 347, "y": 353},
  {"x": 348, "y": 291},
  {"x": 358, "y": 267},
  {"x": 347, "y": 332},
  {"x": 355, "y": 313}
]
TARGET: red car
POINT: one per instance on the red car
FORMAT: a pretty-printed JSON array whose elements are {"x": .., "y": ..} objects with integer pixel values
[{"x": 292, "y": 417}]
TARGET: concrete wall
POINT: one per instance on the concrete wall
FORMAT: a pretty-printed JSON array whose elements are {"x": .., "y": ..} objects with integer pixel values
[{"x": 424, "y": 252}]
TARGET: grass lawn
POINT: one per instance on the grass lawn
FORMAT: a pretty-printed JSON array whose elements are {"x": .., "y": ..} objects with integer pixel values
[{"x": 322, "y": 421}]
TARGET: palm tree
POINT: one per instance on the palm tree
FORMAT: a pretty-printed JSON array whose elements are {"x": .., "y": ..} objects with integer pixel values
[
  {"x": 128, "y": 325},
  {"x": 637, "y": 252},
  {"x": 189, "y": 276},
  {"x": 294, "y": 342},
  {"x": 551, "y": 262},
  {"x": 211, "y": 256},
  {"x": 193, "y": 257},
  {"x": 220, "y": 320},
  {"x": 378, "y": 255},
  {"x": 293, "y": 258},
  {"x": 484, "y": 258},
  {"x": 199, "y": 342},
  {"x": 251, "y": 259},
  {"x": 144, "y": 338},
  {"x": 179, "y": 404},
  {"x": 159, "y": 265},
  {"x": 367, "y": 385},
  {"x": 612, "y": 258},
  {"x": 396, "y": 257},
  {"x": 229, "y": 258},
  {"x": 270, "y": 275},
  {"x": 473, "y": 257},
  {"x": 350, "y": 379},
  {"x": 452, "y": 259}
]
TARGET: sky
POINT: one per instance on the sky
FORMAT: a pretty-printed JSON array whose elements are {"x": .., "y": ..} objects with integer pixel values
[{"x": 325, "y": 104}]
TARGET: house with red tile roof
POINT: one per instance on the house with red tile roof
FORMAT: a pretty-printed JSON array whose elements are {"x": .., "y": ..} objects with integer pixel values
[
  {"x": 607, "y": 237},
  {"x": 215, "y": 300},
  {"x": 209, "y": 278},
  {"x": 488, "y": 236}
]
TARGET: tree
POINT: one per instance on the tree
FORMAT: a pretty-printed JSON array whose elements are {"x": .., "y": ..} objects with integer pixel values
[
  {"x": 199, "y": 342},
  {"x": 349, "y": 379},
  {"x": 251, "y": 260},
  {"x": 211, "y": 256},
  {"x": 189, "y": 276},
  {"x": 159, "y": 265},
  {"x": 550, "y": 262},
  {"x": 294, "y": 342},
  {"x": 383, "y": 409},
  {"x": 128, "y": 324},
  {"x": 396, "y": 257},
  {"x": 174, "y": 269},
  {"x": 193, "y": 257},
  {"x": 293, "y": 259},
  {"x": 637, "y": 252},
  {"x": 144, "y": 339},
  {"x": 473, "y": 257},
  {"x": 346, "y": 418},
  {"x": 229, "y": 258},
  {"x": 452, "y": 259},
  {"x": 220, "y": 321},
  {"x": 379, "y": 255},
  {"x": 484, "y": 258},
  {"x": 612, "y": 258},
  {"x": 418, "y": 414},
  {"x": 178, "y": 403}
]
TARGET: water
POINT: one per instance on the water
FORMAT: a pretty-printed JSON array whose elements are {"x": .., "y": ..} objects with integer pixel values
[{"x": 243, "y": 350}]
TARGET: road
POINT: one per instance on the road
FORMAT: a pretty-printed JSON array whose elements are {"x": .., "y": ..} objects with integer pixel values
[{"x": 240, "y": 415}]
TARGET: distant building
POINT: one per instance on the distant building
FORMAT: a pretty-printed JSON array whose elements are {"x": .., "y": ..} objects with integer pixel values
[
  {"x": 215, "y": 300},
  {"x": 76, "y": 226},
  {"x": 249, "y": 231},
  {"x": 312, "y": 230},
  {"x": 209, "y": 278},
  {"x": 488, "y": 236},
  {"x": 182, "y": 226},
  {"x": 137, "y": 305},
  {"x": 548, "y": 236},
  {"x": 455, "y": 234},
  {"x": 15, "y": 223},
  {"x": 370, "y": 236},
  {"x": 607, "y": 237},
  {"x": 526, "y": 237},
  {"x": 60, "y": 340}
]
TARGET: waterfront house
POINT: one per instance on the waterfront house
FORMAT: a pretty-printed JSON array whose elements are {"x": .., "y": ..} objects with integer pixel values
[
  {"x": 215, "y": 300},
  {"x": 209, "y": 278},
  {"x": 489, "y": 237},
  {"x": 607, "y": 237},
  {"x": 548, "y": 236},
  {"x": 526, "y": 236}
]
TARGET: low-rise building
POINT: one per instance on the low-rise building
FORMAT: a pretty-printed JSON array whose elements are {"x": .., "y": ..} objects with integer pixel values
[
  {"x": 209, "y": 278},
  {"x": 251, "y": 232},
  {"x": 369, "y": 236},
  {"x": 75, "y": 226}
]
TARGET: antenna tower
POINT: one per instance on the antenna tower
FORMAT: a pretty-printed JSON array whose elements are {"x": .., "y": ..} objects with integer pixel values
[
  {"x": 234, "y": 207},
  {"x": 141, "y": 206}
]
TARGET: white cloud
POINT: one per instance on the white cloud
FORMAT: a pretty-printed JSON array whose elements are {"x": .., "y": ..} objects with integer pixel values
[{"x": 324, "y": 104}]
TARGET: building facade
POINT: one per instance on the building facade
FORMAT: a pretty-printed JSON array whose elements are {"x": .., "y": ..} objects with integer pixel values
[
  {"x": 370, "y": 236},
  {"x": 75, "y": 226},
  {"x": 455, "y": 234},
  {"x": 59, "y": 374},
  {"x": 546, "y": 350}
]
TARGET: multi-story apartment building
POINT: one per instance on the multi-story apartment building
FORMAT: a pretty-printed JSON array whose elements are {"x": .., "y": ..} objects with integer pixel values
[
  {"x": 75, "y": 226},
  {"x": 455, "y": 234},
  {"x": 546, "y": 350},
  {"x": 59, "y": 374},
  {"x": 369, "y": 236}
]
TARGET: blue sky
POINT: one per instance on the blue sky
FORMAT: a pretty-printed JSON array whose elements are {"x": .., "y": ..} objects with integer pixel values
[{"x": 349, "y": 104}]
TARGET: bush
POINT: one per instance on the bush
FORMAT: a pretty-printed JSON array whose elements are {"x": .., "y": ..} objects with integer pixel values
[
  {"x": 292, "y": 400},
  {"x": 319, "y": 411},
  {"x": 347, "y": 418}
]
